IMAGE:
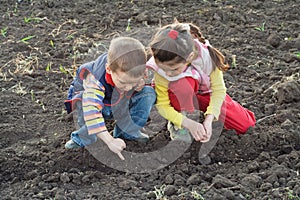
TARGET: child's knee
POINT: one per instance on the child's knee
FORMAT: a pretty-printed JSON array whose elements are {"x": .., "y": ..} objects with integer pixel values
[{"x": 150, "y": 95}]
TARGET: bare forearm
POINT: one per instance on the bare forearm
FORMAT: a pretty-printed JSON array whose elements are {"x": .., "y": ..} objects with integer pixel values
[
  {"x": 105, "y": 137},
  {"x": 209, "y": 118}
]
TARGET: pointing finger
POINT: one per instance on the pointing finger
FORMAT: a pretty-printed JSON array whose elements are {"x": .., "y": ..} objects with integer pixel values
[{"x": 121, "y": 156}]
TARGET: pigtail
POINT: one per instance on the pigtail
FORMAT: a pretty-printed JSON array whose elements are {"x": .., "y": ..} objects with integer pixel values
[
  {"x": 217, "y": 57},
  {"x": 196, "y": 33}
]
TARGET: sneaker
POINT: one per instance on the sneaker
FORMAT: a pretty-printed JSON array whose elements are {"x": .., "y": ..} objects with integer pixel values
[
  {"x": 140, "y": 137},
  {"x": 72, "y": 145},
  {"x": 179, "y": 134}
]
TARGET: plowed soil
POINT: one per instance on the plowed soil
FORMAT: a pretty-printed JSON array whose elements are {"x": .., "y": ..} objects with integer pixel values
[{"x": 43, "y": 42}]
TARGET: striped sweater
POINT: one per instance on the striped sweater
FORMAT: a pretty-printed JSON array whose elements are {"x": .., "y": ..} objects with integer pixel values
[{"x": 92, "y": 104}]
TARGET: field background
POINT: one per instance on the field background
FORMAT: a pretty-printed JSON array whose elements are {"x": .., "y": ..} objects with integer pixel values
[{"x": 43, "y": 42}]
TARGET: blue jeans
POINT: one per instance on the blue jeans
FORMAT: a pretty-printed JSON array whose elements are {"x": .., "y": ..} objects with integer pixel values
[{"x": 131, "y": 115}]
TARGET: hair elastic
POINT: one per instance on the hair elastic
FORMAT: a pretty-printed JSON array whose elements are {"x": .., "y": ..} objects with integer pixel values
[{"x": 173, "y": 34}]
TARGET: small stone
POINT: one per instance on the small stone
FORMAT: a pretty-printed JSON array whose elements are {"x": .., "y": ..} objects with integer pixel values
[
  {"x": 193, "y": 180},
  {"x": 287, "y": 124},
  {"x": 288, "y": 92},
  {"x": 179, "y": 180},
  {"x": 272, "y": 179},
  {"x": 251, "y": 181},
  {"x": 221, "y": 182},
  {"x": 253, "y": 166},
  {"x": 169, "y": 179},
  {"x": 64, "y": 178},
  {"x": 127, "y": 184},
  {"x": 274, "y": 40},
  {"x": 266, "y": 186},
  {"x": 170, "y": 190}
]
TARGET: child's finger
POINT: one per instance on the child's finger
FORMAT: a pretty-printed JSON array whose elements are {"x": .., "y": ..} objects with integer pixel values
[
  {"x": 121, "y": 156},
  {"x": 206, "y": 139},
  {"x": 198, "y": 136}
]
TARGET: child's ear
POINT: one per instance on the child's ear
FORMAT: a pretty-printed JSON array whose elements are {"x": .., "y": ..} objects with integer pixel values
[{"x": 108, "y": 69}]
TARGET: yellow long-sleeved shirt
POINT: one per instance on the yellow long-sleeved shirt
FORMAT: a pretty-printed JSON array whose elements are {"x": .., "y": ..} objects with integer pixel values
[{"x": 168, "y": 112}]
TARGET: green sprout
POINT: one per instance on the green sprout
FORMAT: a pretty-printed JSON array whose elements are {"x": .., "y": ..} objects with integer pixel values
[
  {"x": 32, "y": 95},
  {"x": 25, "y": 39},
  {"x": 233, "y": 61},
  {"x": 288, "y": 38},
  {"x": 70, "y": 36},
  {"x": 52, "y": 43},
  {"x": 30, "y": 19},
  {"x": 128, "y": 25},
  {"x": 16, "y": 8},
  {"x": 160, "y": 192},
  {"x": 197, "y": 196},
  {"x": 291, "y": 196},
  {"x": 63, "y": 69},
  {"x": 48, "y": 67},
  {"x": 297, "y": 54},
  {"x": 4, "y": 31},
  {"x": 261, "y": 28}
]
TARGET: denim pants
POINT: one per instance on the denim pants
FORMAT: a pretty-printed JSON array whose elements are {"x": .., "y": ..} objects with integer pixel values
[{"x": 131, "y": 115}]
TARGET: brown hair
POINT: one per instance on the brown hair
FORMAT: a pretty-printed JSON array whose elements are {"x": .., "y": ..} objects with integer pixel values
[
  {"x": 127, "y": 55},
  {"x": 218, "y": 59},
  {"x": 180, "y": 46},
  {"x": 166, "y": 48}
]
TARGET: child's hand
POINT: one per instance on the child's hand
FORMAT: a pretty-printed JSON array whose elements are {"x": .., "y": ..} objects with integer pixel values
[
  {"x": 208, "y": 126},
  {"x": 140, "y": 85},
  {"x": 196, "y": 129},
  {"x": 117, "y": 145}
]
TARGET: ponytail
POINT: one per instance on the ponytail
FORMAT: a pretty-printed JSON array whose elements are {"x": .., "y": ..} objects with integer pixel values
[{"x": 218, "y": 59}]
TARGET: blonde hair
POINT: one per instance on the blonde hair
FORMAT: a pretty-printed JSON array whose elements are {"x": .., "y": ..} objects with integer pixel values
[{"x": 127, "y": 55}]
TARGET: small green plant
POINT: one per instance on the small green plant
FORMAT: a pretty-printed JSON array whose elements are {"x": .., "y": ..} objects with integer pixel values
[
  {"x": 233, "y": 61},
  {"x": 63, "y": 69},
  {"x": 4, "y": 31},
  {"x": 41, "y": 104},
  {"x": 288, "y": 38},
  {"x": 261, "y": 27},
  {"x": 196, "y": 195},
  {"x": 25, "y": 39},
  {"x": 128, "y": 25},
  {"x": 32, "y": 95},
  {"x": 160, "y": 192},
  {"x": 70, "y": 37},
  {"x": 48, "y": 67},
  {"x": 297, "y": 54},
  {"x": 248, "y": 196},
  {"x": 15, "y": 8},
  {"x": 291, "y": 196},
  {"x": 31, "y": 19},
  {"x": 52, "y": 43}
]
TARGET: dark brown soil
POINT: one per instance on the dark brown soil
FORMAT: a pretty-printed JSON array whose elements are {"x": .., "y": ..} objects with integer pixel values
[{"x": 42, "y": 42}]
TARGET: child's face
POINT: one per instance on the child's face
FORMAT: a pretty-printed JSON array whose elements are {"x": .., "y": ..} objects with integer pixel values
[
  {"x": 123, "y": 81},
  {"x": 171, "y": 68}
]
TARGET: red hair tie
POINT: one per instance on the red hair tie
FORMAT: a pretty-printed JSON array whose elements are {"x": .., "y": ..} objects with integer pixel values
[{"x": 173, "y": 34}]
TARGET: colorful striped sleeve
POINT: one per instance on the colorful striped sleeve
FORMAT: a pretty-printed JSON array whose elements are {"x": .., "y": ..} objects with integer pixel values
[{"x": 92, "y": 104}]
